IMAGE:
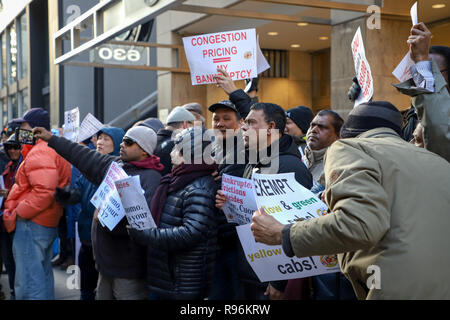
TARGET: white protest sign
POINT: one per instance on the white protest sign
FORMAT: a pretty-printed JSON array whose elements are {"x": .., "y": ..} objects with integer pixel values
[
  {"x": 89, "y": 126},
  {"x": 233, "y": 51},
  {"x": 134, "y": 203},
  {"x": 414, "y": 16},
  {"x": 241, "y": 201},
  {"x": 402, "y": 71},
  {"x": 72, "y": 124},
  {"x": 287, "y": 201},
  {"x": 261, "y": 62},
  {"x": 362, "y": 69},
  {"x": 107, "y": 198}
]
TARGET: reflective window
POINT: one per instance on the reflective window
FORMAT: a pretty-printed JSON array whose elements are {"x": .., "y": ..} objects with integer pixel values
[
  {"x": 13, "y": 53},
  {"x": 13, "y": 105},
  {"x": 23, "y": 101},
  {"x": 23, "y": 46},
  {"x": 4, "y": 56}
]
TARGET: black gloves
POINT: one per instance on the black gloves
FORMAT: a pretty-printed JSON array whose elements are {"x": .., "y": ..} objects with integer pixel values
[{"x": 354, "y": 90}]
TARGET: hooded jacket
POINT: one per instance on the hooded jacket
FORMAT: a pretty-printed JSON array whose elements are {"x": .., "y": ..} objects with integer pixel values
[
  {"x": 37, "y": 178},
  {"x": 116, "y": 254}
]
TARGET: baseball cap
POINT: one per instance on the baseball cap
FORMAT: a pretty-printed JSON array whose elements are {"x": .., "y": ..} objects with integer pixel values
[{"x": 223, "y": 104}]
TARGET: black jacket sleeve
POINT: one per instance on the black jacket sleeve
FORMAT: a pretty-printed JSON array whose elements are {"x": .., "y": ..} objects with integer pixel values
[
  {"x": 242, "y": 102},
  {"x": 198, "y": 220},
  {"x": 92, "y": 164}
]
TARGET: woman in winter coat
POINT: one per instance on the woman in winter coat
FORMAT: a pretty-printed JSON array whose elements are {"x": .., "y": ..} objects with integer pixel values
[{"x": 182, "y": 248}]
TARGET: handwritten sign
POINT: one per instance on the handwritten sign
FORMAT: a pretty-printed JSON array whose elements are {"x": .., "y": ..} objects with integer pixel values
[
  {"x": 107, "y": 198},
  {"x": 287, "y": 201},
  {"x": 134, "y": 203},
  {"x": 233, "y": 51},
  {"x": 241, "y": 201},
  {"x": 72, "y": 124},
  {"x": 362, "y": 69}
]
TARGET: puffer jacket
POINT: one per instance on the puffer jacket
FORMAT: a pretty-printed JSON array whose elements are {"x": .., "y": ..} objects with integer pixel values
[
  {"x": 31, "y": 196},
  {"x": 181, "y": 252}
]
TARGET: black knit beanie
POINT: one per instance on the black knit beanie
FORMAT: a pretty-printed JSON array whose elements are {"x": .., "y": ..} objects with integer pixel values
[
  {"x": 302, "y": 117},
  {"x": 372, "y": 115}
]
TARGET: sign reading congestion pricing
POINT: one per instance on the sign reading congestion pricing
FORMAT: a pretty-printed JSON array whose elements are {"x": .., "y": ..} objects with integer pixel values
[
  {"x": 281, "y": 196},
  {"x": 234, "y": 51}
]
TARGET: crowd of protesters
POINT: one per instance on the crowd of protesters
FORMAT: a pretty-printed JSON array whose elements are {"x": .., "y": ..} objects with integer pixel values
[{"x": 384, "y": 179}]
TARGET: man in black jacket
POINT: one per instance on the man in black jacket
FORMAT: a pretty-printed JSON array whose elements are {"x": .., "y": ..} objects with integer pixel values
[
  {"x": 270, "y": 152},
  {"x": 120, "y": 261}
]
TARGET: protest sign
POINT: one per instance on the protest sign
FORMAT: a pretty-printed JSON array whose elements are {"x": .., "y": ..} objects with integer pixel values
[
  {"x": 241, "y": 202},
  {"x": 402, "y": 71},
  {"x": 89, "y": 126},
  {"x": 72, "y": 124},
  {"x": 134, "y": 203},
  {"x": 362, "y": 69},
  {"x": 281, "y": 196},
  {"x": 235, "y": 52},
  {"x": 107, "y": 198}
]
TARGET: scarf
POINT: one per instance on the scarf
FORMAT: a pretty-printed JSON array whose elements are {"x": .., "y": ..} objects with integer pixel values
[
  {"x": 180, "y": 177},
  {"x": 151, "y": 162}
]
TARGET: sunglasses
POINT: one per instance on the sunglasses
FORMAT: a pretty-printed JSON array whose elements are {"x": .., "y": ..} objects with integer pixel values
[{"x": 128, "y": 142}]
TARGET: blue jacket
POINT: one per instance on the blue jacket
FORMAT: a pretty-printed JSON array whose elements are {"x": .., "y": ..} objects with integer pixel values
[{"x": 88, "y": 189}]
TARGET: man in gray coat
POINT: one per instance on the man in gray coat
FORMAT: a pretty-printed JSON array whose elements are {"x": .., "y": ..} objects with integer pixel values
[{"x": 389, "y": 216}]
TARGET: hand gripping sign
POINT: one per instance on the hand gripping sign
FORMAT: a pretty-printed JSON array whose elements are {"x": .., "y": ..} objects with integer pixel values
[
  {"x": 362, "y": 69},
  {"x": 107, "y": 198},
  {"x": 236, "y": 52},
  {"x": 241, "y": 202},
  {"x": 287, "y": 201},
  {"x": 134, "y": 203}
]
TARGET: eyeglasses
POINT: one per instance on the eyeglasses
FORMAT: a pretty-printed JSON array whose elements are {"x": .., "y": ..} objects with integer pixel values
[{"x": 128, "y": 142}]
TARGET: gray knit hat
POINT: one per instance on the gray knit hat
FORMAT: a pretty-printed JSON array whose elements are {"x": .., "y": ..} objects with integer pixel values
[
  {"x": 144, "y": 137},
  {"x": 180, "y": 114}
]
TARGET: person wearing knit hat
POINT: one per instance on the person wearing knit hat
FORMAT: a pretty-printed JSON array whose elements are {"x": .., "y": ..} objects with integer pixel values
[
  {"x": 179, "y": 114},
  {"x": 388, "y": 207},
  {"x": 298, "y": 120},
  {"x": 121, "y": 262},
  {"x": 371, "y": 115}
]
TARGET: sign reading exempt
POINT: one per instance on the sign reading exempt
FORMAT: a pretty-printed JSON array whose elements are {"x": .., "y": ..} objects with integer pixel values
[{"x": 233, "y": 51}]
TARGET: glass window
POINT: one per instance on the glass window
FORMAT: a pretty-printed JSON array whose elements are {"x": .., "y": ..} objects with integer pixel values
[
  {"x": 13, "y": 106},
  {"x": 4, "y": 56},
  {"x": 5, "y": 111},
  {"x": 23, "y": 46},
  {"x": 13, "y": 54},
  {"x": 23, "y": 101}
]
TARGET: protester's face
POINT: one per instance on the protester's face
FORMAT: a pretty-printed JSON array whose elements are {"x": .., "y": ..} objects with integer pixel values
[
  {"x": 225, "y": 122},
  {"x": 105, "y": 144},
  {"x": 14, "y": 152},
  {"x": 255, "y": 128},
  {"x": 292, "y": 129},
  {"x": 321, "y": 133},
  {"x": 131, "y": 151},
  {"x": 418, "y": 136},
  {"x": 442, "y": 65}
]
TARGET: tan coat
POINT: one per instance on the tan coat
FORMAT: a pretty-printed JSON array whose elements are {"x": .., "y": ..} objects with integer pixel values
[{"x": 390, "y": 205}]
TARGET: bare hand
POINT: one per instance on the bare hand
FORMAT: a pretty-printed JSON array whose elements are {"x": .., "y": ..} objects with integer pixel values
[
  {"x": 220, "y": 199},
  {"x": 266, "y": 229},
  {"x": 96, "y": 214},
  {"x": 273, "y": 293},
  {"x": 42, "y": 133},
  {"x": 419, "y": 42},
  {"x": 224, "y": 81},
  {"x": 216, "y": 176}
]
